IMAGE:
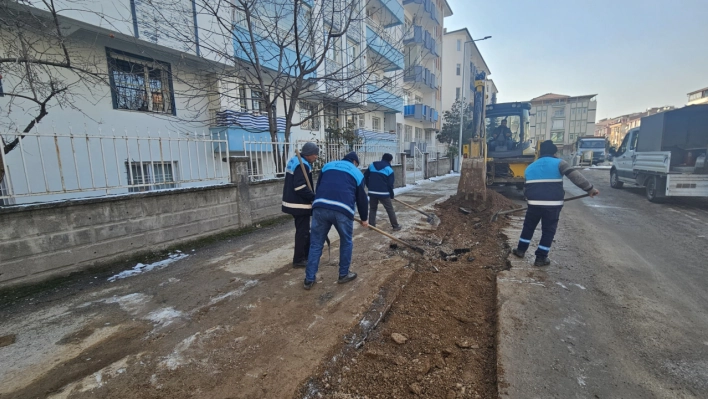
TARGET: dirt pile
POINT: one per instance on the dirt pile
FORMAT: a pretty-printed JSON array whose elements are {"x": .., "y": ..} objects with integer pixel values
[{"x": 439, "y": 338}]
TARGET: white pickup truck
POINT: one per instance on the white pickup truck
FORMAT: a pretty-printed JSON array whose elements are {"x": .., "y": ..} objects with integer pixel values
[{"x": 666, "y": 155}]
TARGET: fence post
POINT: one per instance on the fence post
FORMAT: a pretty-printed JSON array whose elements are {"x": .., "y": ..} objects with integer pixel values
[
  {"x": 239, "y": 176},
  {"x": 426, "y": 172},
  {"x": 403, "y": 168}
]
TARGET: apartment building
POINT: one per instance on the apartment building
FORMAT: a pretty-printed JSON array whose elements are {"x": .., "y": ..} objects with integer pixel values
[
  {"x": 423, "y": 55},
  {"x": 563, "y": 118},
  {"x": 614, "y": 129},
  {"x": 454, "y": 47},
  {"x": 698, "y": 97}
]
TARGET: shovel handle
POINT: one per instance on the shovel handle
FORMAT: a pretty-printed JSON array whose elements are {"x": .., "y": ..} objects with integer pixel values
[
  {"x": 419, "y": 250},
  {"x": 525, "y": 208},
  {"x": 411, "y": 206}
]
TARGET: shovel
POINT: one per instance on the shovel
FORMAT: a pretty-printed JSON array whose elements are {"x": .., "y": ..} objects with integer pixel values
[
  {"x": 411, "y": 246},
  {"x": 499, "y": 213},
  {"x": 431, "y": 217}
]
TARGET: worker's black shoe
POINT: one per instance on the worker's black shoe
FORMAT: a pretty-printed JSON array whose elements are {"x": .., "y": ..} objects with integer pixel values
[
  {"x": 345, "y": 279},
  {"x": 308, "y": 284},
  {"x": 397, "y": 228},
  {"x": 302, "y": 263},
  {"x": 542, "y": 261},
  {"x": 517, "y": 253}
]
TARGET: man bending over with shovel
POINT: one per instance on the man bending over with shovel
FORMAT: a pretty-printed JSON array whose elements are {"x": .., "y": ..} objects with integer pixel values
[
  {"x": 379, "y": 180},
  {"x": 339, "y": 189},
  {"x": 544, "y": 193}
]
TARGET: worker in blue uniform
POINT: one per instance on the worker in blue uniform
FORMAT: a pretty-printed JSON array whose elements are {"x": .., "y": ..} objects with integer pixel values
[
  {"x": 544, "y": 193},
  {"x": 379, "y": 180}
]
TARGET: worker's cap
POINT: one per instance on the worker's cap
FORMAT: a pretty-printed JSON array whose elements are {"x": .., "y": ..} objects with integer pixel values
[
  {"x": 352, "y": 157},
  {"x": 548, "y": 148},
  {"x": 310, "y": 149},
  {"x": 387, "y": 157}
]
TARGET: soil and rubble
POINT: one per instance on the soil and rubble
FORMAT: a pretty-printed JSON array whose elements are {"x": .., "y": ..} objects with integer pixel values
[{"x": 438, "y": 340}]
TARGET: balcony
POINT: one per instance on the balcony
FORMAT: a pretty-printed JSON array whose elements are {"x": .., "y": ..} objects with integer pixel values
[
  {"x": 383, "y": 100},
  {"x": 383, "y": 49},
  {"x": 389, "y": 11},
  {"x": 265, "y": 43},
  {"x": 420, "y": 113},
  {"x": 421, "y": 77},
  {"x": 429, "y": 7},
  {"x": 420, "y": 36}
]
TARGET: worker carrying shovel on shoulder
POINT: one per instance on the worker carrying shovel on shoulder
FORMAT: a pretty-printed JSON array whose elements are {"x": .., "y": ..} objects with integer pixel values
[
  {"x": 298, "y": 197},
  {"x": 544, "y": 193}
]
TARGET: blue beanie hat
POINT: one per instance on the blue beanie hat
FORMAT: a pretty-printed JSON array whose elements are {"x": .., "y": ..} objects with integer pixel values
[{"x": 352, "y": 157}]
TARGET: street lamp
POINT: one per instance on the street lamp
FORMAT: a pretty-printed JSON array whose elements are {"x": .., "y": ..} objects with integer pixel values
[{"x": 462, "y": 96}]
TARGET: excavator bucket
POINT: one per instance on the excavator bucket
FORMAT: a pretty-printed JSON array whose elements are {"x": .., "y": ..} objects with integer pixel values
[{"x": 472, "y": 179}]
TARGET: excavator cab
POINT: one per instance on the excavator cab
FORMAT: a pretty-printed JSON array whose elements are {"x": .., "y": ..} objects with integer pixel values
[{"x": 508, "y": 149}]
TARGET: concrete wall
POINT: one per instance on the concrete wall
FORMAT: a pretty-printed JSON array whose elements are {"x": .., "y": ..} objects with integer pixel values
[
  {"x": 38, "y": 242},
  {"x": 400, "y": 180},
  {"x": 444, "y": 166},
  {"x": 41, "y": 241}
]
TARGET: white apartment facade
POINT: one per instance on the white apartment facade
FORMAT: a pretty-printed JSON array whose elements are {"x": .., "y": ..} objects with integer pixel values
[
  {"x": 454, "y": 48},
  {"x": 563, "y": 118},
  {"x": 158, "y": 88},
  {"x": 421, "y": 86}
]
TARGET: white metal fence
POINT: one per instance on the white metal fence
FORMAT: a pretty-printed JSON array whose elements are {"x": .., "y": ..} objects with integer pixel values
[
  {"x": 268, "y": 159},
  {"x": 53, "y": 166}
]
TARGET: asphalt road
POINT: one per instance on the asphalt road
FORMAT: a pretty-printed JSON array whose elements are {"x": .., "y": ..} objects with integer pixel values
[{"x": 622, "y": 312}]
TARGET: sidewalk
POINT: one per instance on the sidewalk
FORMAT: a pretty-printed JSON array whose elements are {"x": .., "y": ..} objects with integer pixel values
[{"x": 227, "y": 320}]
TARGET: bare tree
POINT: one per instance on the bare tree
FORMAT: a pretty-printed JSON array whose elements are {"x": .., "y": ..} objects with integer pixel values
[
  {"x": 39, "y": 69},
  {"x": 290, "y": 51}
]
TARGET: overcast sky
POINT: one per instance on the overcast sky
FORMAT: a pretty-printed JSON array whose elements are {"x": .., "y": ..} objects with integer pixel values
[{"x": 634, "y": 54}]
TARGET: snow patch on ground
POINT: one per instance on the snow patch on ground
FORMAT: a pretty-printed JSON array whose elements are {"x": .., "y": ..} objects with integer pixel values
[
  {"x": 579, "y": 286},
  {"x": 95, "y": 380},
  {"x": 164, "y": 316},
  {"x": 235, "y": 293},
  {"x": 410, "y": 187},
  {"x": 562, "y": 286},
  {"x": 177, "y": 358},
  {"x": 142, "y": 268},
  {"x": 131, "y": 303}
]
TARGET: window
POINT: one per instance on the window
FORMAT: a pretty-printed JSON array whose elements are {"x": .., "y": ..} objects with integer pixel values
[
  {"x": 559, "y": 113},
  {"x": 558, "y": 137},
  {"x": 334, "y": 50},
  {"x": 309, "y": 110},
  {"x": 459, "y": 67},
  {"x": 257, "y": 103},
  {"x": 427, "y": 137},
  {"x": 150, "y": 175},
  {"x": 399, "y": 130},
  {"x": 407, "y": 97},
  {"x": 558, "y": 124},
  {"x": 418, "y": 100},
  {"x": 139, "y": 84},
  {"x": 457, "y": 93},
  {"x": 459, "y": 45},
  {"x": 376, "y": 123},
  {"x": 418, "y": 134},
  {"x": 362, "y": 121},
  {"x": 409, "y": 134},
  {"x": 353, "y": 54},
  {"x": 243, "y": 102}
]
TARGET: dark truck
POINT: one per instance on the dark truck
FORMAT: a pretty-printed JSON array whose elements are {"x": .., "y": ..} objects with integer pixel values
[{"x": 666, "y": 155}]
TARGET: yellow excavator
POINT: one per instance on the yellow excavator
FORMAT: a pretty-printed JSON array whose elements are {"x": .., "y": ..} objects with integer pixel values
[{"x": 504, "y": 144}]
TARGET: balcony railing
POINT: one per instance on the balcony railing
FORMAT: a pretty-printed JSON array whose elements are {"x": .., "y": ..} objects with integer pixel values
[
  {"x": 384, "y": 99},
  {"x": 422, "y": 76},
  {"x": 420, "y": 36},
  {"x": 385, "y": 48},
  {"x": 420, "y": 113},
  {"x": 429, "y": 7}
]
